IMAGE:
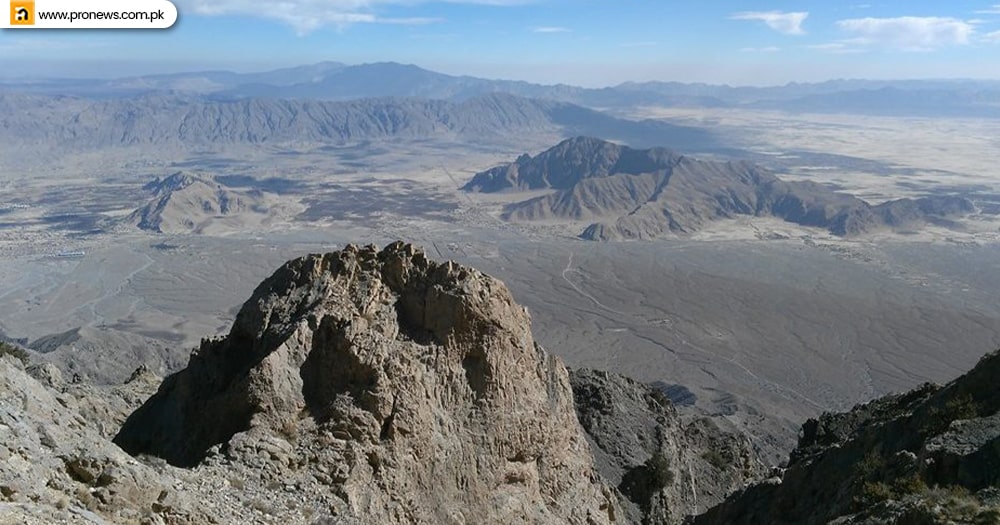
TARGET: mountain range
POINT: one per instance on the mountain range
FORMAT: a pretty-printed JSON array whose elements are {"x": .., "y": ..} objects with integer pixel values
[
  {"x": 337, "y": 81},
  {"x": 61, "y": 123},
  {"x": 641, "y": 194}
]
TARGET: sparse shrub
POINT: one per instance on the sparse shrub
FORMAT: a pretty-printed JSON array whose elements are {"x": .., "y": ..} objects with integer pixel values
[
  {"x": 912, "y": 484},
  {"x": 956, "y": 492},
  {"x": 874, "y": 492},
  {"x": 11, "y": 350},
  {"x": 643, "y": 482},
  {"x": 990, "y": 516},
  {"x": 962, "y": 407},
  {"x": 957, "y": 408},
  {"x": 660, "y": 474},
  {"x": 870, "y": 467},
  {"x": 715, "y": 458}
]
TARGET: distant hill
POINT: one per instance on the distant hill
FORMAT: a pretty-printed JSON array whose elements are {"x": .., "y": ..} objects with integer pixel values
[
  {"x": 184, "y": 203},
  {"x": 642, "y": 194}
]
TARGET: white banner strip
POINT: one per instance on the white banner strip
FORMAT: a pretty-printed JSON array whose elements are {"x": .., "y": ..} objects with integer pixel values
[{"x": 90, "y": 14}]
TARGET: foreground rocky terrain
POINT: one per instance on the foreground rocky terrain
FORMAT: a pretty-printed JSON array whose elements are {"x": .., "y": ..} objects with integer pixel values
[
  {"x": 377, "y": 386},
  {"x": 930, "y": 456},
  {"x": 364, "y": 386}
]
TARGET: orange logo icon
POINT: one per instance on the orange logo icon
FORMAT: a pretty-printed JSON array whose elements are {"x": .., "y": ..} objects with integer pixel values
[{"x": 22, "y": 13}]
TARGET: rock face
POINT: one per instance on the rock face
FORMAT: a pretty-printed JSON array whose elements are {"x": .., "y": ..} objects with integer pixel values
[
  {"x": 929, "y": 456},
  {"x": 665, "y": 468},
  {"x": 413, "y": 389},
  {"x": 644, "y": 194},
  {"x": 56, "y": 464}
]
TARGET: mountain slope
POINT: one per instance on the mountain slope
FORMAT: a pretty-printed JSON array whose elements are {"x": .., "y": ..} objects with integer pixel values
[
  {"x": 642, "y": 194},
  {"x": 666, "y": 467},
  {"x": 927, "y": 456}
]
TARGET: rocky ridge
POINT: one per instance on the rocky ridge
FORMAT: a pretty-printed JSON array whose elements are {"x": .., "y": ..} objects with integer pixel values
[
  {"x": 928, "y": 456},
  {"x": 645, "y": 194},
  {"x": 172, "y": 122}
]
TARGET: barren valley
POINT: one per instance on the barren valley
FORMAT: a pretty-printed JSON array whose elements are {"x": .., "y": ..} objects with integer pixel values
[{"x": 757, "y": 321}]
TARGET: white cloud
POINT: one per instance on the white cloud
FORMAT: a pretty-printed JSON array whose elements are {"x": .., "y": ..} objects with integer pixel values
[
  {"x": 787, "y": 23},
  {"x": 992, "y": 37},
  {"x": 308, "y": 15},
  {"x": 909, "y": 33},
  {"x": 768, "y": 49},
  {"x": 551, "y": 29},
  {"x": 994, "y": 10},
  {"x": 838, "y": 48}
]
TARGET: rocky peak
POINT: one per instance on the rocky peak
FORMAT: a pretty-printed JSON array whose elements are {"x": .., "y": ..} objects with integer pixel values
[
  {"x": 413, "y": 388},
  {"x": 174, "y": 182},
  {"x": 571, "y": 161}
]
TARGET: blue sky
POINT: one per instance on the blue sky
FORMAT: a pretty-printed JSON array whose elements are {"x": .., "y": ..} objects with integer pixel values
[{"x": 584, "y": 42}]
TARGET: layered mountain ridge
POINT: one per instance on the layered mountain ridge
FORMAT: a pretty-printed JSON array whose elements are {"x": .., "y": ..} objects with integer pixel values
[
  {"x": 644, "y": 194},
  {"x": 185, "y": 121}
]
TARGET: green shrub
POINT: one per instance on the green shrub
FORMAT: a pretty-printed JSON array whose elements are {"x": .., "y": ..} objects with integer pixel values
[
  {"x": 658, "y": 467},
  {"x": 642, "y": 482}
]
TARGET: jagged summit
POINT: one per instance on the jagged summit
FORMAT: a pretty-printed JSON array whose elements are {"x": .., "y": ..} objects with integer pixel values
[
  {"x": 569, "y": 162},
  {"x": 159, "y": 187},
  {"x": 414, "y": 387}
]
